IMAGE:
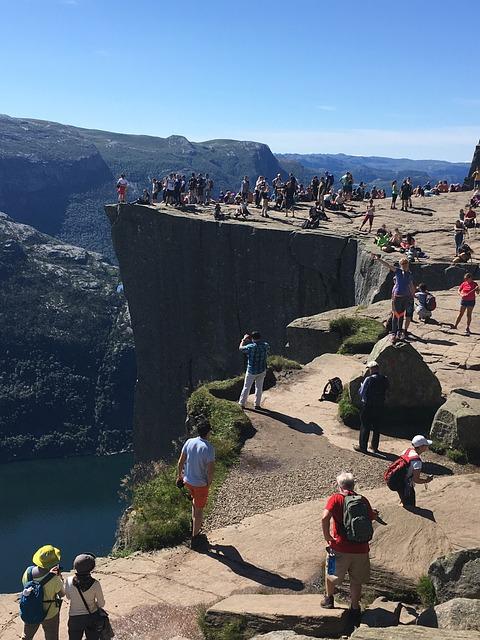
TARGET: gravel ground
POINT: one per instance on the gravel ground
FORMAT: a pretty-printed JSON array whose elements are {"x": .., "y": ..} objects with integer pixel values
[
  {"x": 274, "y": 472},
  {"x": 251, "y": 489}
]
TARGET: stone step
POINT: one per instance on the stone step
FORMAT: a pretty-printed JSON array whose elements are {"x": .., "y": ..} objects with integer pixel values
[
  {"x": 263, "y": 613},
  {"x": 413, "y": 633}
]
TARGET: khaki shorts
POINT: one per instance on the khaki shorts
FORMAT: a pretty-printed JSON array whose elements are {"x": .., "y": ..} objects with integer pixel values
[{"x": 356, "y": 564}]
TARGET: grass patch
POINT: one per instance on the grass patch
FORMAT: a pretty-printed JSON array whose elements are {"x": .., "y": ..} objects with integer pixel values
[
  {"x": 457, "y": 455},
  {"x": 426, "y": 591},
  {"x": 347, "y": 411},
  {"x": 160, "y": 514},
  {"x": 358, "y": 335},
  {"x": 438, "y": 448},
  {"x": 279, "y": 363},
  {"x": 234, "y": 629}
]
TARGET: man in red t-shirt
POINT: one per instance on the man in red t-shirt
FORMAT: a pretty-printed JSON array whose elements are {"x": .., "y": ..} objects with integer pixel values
[{"x": 351, "y": 557}]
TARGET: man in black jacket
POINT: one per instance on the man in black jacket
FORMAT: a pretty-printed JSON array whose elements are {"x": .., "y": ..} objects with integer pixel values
[{"x": 372, "y": 393}]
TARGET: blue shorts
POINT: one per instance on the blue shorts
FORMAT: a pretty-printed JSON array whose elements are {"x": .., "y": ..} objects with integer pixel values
[{"x": 467, "y": 303}]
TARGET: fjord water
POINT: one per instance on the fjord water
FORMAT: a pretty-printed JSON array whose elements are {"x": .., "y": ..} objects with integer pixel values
[{"x": 73, "y": 504}]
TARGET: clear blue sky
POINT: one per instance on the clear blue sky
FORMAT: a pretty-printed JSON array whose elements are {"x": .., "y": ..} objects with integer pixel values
[{"x": 369, "y": 77}]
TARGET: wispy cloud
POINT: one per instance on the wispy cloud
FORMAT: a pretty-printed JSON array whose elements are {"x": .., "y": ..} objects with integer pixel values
[{"x": 326, "y": 107}]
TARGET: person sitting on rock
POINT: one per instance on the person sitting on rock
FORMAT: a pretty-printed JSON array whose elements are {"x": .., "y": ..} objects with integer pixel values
[
  {"x": 421, "y": 303},
  {"x": 144, "y": 198},
  {"x": 348, "y": 551},
  {"x": 372, "y": 394},
  {"x": 420, "y": 444},
  {"x": 464, "y": 254},
  {"x": 242, "y": 211},
  {"x": 470, "y": 219}
]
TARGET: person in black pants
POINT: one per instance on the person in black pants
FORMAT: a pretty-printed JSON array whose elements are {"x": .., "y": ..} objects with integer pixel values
[{"x": 372, "y": 393}]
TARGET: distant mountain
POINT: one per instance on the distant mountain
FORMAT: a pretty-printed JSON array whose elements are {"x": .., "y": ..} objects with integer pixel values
[
  {"x": 57, "y": 177},
  {"x": 67, "y": 364},
  {"x": 372, "y": 169}
]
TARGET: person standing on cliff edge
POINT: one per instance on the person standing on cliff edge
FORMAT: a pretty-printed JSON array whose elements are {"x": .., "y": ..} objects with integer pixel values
[
  {"x": 195, "y": 471},
  {"x": 256, "y": 351},
  {"x": 122, "y": 188}
]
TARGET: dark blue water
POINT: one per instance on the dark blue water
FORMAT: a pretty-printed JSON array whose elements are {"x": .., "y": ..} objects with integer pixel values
[{"x": 72, "y": 504}]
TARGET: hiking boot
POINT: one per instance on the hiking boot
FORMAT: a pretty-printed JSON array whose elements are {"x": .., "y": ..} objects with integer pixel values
[
  {"x": 327, "y": 602},
  {"x": 358, "y": 448},
  {"x": 355, "y": 616},
  {"x": 257, "y": 407}
]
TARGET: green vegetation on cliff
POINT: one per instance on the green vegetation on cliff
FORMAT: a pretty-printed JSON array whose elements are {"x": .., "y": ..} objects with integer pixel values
[
  {"x": 160, "y": 512},
  {"x": 67, "y": 367},
  {"x": 359, "y": 335}
]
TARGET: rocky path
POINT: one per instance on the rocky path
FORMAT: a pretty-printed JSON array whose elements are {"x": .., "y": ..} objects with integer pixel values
[{"x": 300, "y": 446}]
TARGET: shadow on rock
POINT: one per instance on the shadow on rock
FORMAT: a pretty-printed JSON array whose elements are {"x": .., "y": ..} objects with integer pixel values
[
  {"x": 295, "y": 423},
  {"x": 230, "y": 556}
]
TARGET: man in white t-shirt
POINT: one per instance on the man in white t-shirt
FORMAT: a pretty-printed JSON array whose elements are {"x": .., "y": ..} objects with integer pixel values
[
  {"x": 420, "y": 444},
  {"x": 195, "y": 470}
]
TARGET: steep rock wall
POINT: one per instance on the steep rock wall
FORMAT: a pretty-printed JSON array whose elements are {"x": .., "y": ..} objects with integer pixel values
[{"x": 195, "y": 286}]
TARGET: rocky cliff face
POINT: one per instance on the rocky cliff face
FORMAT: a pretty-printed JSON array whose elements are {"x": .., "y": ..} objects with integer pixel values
[
  {"x": 195, "y": 286},
  {"x": 67, "y": 366},
  {"x": 475, "y": 165}
]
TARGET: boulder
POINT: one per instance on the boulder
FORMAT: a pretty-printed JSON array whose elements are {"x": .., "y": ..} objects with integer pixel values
[
  {"x": 458, "y": 613},
  {"x": 382, "y": 613},
  {"x": 456, "y": 575},
  {"x": 412, "y": 633},
  {"x": 311, "y": 337},
  {"x": 414, "y": 393},
  {"x": 456, "y": 424},
  {"x": 263, "y": 613}
]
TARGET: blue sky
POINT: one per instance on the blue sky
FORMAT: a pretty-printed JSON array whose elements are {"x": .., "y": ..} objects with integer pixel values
[{"x": 370, "y": 77}]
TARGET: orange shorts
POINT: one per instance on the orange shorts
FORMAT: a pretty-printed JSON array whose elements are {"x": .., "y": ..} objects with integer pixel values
[{"x": 199, "y": 495}]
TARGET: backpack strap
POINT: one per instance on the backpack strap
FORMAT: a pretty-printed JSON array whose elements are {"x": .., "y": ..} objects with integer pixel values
[
  {"x": 29, "y": 574},
  {"x": 83, "y": 599},
  {"x": 406, "y": 457}
]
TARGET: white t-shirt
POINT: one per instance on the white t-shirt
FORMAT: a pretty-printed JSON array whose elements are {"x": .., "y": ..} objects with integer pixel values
[
  {"x": 199, "y": 453},
  {"x": 122, "y": 182},
  {"x": 415, "y": 464},
  {"x": 93, "y": 597}
]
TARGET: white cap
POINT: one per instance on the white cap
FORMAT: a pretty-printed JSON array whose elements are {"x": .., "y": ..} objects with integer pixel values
[
  {"x": 421, "y": 441},
  {"x": 372, "y": 364}
]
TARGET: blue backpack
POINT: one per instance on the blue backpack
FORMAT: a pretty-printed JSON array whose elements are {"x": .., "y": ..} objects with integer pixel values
[{"x": 31, "y": 601}]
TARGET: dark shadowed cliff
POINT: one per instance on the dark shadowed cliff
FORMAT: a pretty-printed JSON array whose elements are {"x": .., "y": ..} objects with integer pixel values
[
  {"x": 195, "y": 286},
  {"x": 67, "y": 366}
]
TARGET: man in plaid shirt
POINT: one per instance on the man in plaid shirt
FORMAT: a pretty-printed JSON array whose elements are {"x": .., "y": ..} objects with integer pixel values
[{"x": 256, "y": 351}]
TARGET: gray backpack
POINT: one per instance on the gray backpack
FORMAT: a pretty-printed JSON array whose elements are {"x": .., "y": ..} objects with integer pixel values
[{"x": 356, "y": 521}]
